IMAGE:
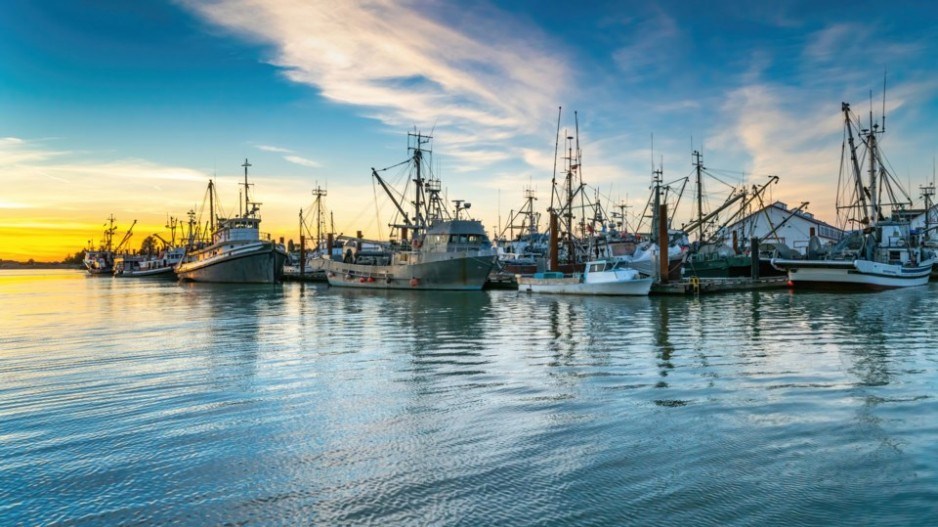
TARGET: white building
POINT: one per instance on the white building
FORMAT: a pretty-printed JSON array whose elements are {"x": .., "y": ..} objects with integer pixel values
[
  {"x": 795, "y": 233},
  {"x": 919, "y": 220}
]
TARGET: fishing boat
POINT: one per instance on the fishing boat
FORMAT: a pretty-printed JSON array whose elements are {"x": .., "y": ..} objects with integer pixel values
[
  {"x": 236, "y": 252},
  {"x": 642, "y": 252},
  {"x": 711, "y": 255},
  {"x": 600, "y": 277},
  {"x": 100, "y": 261},
  {"x": 884, "y": 252},
  {"x": 444, "y": 252},
  {"x": 526, "y": 251},
  {"x": 141, "y": 265}
]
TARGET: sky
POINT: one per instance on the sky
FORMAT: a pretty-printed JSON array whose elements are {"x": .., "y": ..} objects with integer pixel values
[{"x": 128, "y": 108}]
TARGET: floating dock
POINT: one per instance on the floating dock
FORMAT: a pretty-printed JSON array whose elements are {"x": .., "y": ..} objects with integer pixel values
[
  {"x": 308, "y": 276},
  {"x": 689, "y": 286},
  {"x": 501, "y": 280}
]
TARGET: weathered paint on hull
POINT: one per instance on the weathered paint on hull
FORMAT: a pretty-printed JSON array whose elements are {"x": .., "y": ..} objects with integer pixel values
[
  {"x": 264, "y": 266},
  {"x": 467, "y": 273}
]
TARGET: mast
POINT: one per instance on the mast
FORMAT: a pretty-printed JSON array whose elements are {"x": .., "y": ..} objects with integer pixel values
[
  {"x": 553, "y": 178},
  {"x": 858, "y": 179},
  {"x": 622, "y": 206},
  {"x": 656, "y": 176},
  {"x": 530, "y": 197},
  {"x": 419, "y": 199},
  {"x": 319, "y": 192},
  {"x": 192, "y": 230},
  {"x": 109, "y": 233},
  {"x": 928, "y": 191},
  {"x": 211, "y": 205},
  {"x": 247, "y": 201},
  {"x": 569, "y": 205},
  {"x": 874, "y": 183},
  {"x": 699, "y": 167}
]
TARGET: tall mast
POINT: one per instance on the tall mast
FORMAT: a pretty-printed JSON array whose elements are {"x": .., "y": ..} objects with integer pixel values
[
  {"x": 858, "y": 178},
  {"x": 570, "y": 196},
  {"x": 532, "y": 219},
  {"x": 109, "y": 233},
  {"x": 874, "y": 184},
  {"x": 656, "y": 176},
  {"x": 699, "y": 167},
  {"x": 419, "y": 200},
  {"x": 319, "y": 192},
  {"x": 553, "y": 178},
  {"x": 211, "y": 206},
  {"x": 247, "y": 201}
]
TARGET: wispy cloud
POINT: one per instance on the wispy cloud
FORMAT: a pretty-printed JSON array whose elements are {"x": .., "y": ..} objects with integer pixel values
[
  {"x": 398, "y": 62},
  {"x": 13, "y": 205},
  {"x": 302, "y": 161},
  {"x": 292, "y": 158},
  {"x": 652, "y": 44},
  {"x": 277, "y": 149}
]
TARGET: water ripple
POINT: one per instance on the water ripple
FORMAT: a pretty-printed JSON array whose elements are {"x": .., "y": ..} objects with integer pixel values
[{"x": 147, "y": 402}]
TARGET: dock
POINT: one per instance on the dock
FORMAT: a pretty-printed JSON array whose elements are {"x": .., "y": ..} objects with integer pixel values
[
  {"x": 501, "y": 280},
  {"x": 689, "y": 286},
  {"x": 308, "y": 276}
]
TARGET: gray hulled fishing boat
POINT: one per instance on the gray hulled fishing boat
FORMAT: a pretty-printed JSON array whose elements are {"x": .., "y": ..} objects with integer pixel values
[
  {"x": 444, "y": 252},
  {"x": 237, "y": 251}
]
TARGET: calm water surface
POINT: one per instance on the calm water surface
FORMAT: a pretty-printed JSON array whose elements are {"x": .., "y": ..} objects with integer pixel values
[{"x": 140, "y": 402}]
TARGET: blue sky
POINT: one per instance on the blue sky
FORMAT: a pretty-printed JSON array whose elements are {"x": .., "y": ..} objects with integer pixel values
[{"x": 129, "y": 107}]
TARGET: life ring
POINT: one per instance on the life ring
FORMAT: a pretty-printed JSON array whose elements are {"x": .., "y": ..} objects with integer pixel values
[{"x": 414, "y": 282}]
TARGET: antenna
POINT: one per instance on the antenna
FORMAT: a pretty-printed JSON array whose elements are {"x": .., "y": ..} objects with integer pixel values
[
  {"x": 652, "y": 151},
  {"x": 884, "y": 99}
]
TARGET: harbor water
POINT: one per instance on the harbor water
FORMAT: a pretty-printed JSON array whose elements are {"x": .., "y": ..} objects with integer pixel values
[{"x": 152, "y": 402}]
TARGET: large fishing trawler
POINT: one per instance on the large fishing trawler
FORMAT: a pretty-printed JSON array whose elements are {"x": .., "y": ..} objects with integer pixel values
[
  {"x": 237, "y": 252},
  {"x": 443, "y": 252}
]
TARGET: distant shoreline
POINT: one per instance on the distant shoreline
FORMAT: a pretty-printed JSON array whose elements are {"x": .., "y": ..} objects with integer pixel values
[{"x": 12, "y": 264}]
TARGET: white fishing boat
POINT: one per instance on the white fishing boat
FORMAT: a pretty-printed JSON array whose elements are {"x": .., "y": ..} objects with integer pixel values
[
  {"x": 601, "y": 277},
  {"x": 237, "y": 251},
  {"x": 136, "y": 266},
  {"x": 881, "y": 254},
  {"x": 444, "y": 252}
]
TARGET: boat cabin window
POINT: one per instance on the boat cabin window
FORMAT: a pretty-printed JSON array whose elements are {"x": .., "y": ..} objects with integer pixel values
[
  {"x": 597, "y": 267},
  {"x": 466, "y": 239}
]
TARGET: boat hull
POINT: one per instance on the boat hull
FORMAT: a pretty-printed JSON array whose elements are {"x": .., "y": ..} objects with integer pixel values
[
  {"x": 730, "y": 267},
  {"x": 458, "y": 273},
  {"x": 573, "y": 286},
  {"x": 856, "y": 274},
  {"x": 262, "y": 264},
  {"x": 164, "y": 272}
]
